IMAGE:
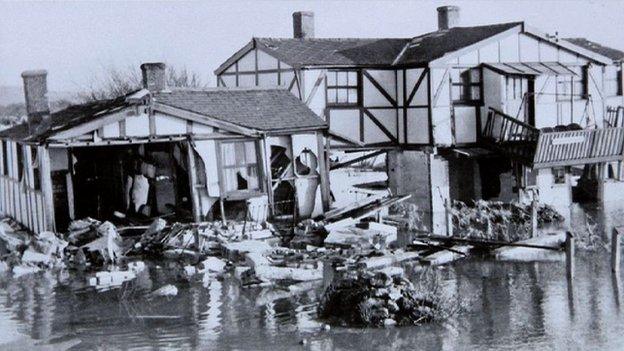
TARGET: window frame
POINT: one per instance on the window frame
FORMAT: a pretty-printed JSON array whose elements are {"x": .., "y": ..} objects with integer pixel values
[
  {"x": 579, "y": 79},
  {"x": 556, "y": 176},
  {"x": 337, "y": 87},
  {"x": 240, "y": 193},
  {"x": 616, "y": 79},
  {"x": 467, "y": 85}
]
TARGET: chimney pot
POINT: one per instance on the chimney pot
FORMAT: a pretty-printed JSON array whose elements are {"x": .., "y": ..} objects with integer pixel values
[
  {"x": 303, "y": 24},
  {"x": 154, "y": 77},
  {"x": 448, "y": 17},
  {"x": 36, "y": 96}
]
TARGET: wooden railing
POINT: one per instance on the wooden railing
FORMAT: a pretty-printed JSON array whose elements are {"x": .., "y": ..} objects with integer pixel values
[
  {"x": 579, "y": 147},
  {"x": 510, "y": 136},
  {"x": 502, "y": 128},
  {"x": 538, "y": 149}
]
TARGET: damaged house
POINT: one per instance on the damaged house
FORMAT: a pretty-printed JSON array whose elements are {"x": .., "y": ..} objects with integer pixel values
[
  {"x": 501, "y": 111},
  {"x": 179, "y": 153}
]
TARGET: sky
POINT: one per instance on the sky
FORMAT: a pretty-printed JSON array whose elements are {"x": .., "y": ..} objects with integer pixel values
[{"x": 78, "y": 41}]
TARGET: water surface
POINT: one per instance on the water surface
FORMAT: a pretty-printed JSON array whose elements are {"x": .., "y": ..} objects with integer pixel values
[{"x": 513, "y": 306}]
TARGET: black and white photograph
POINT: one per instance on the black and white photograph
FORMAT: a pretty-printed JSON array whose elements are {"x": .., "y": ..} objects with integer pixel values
[{"x": 312, "y": 175}]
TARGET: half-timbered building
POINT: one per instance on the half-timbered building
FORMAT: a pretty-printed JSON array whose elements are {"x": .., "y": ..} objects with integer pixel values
[
  {"x": 499, "y": 111},
  {"x": 159, "y": 151}
]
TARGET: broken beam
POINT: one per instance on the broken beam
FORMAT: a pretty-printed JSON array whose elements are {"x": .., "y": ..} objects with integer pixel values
[{"x": 356, "y": 160}]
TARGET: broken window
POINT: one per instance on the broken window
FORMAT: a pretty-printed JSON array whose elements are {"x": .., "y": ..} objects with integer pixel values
[
  {"x": 559, "y": 175},
  {"x": 305, "y": 162},
  {"x": 466, "y": 85},
  {"x": 342, "y": 87},
  {"x": 240, "y": 166}
]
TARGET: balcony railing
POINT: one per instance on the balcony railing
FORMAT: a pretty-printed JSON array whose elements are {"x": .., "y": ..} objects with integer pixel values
[{"x": 538, "y": 149}]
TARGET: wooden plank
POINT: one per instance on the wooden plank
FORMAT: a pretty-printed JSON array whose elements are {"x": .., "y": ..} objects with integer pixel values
[
  {"x": 357, "y": 159},
  {"x": 323, "y": 170},
  {"x": 345, "y": 138},
  {"x": 46, "y": 187},
  {"x": 113, "y": 116},
  {"x": 265, "y": 151},
  {"x": 70, "y": 196},
  {"x": 192, "y": 173}
]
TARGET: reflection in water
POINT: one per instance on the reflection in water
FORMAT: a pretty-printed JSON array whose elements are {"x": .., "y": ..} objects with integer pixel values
[{"x": 511, "y": 306}]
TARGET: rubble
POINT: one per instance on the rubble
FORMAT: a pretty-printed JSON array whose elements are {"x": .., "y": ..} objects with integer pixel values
[
  {"x": 377, "y": 299},
  {"x": 495, "y": 220}
]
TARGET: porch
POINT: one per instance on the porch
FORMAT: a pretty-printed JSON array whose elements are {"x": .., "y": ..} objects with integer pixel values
[{"x": 544, "y": 149}]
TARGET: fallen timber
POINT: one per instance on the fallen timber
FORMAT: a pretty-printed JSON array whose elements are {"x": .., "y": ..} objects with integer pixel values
[{"x": 489, "y": 243}]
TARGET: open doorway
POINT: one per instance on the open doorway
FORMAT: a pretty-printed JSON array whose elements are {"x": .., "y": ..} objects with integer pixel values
[{"x": 135, "y": 182}]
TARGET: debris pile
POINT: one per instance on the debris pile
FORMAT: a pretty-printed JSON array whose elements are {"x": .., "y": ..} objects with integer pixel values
[
  {"x": 495, "y": 220},
  {"x": 26, "y": 254},
  {"x": 193, "y": 240},
  {"x": 92, "y": 243},
  {"x": 344, "y": 228},
  {"x": 382, "y": 298}
]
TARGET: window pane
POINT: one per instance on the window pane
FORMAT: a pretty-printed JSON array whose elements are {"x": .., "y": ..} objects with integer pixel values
[
  {"x": 331, "y": 96},
  {"x": 342, "y": 78},
  {"x": 456, "y": 91},
  {"x": 331, "y": 78},
  {"x": 250, "y": 152},
  {"x": 342, "y": 96},
  {"x": 227, "y": 154},
  {"x": 352, "y": 96},
  {"x": 352, "y": 78},
  {"x": 240, "y": 153}
]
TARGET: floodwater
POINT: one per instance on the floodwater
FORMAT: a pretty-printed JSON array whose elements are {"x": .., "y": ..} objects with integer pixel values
[{"x": 510, "y": 306}]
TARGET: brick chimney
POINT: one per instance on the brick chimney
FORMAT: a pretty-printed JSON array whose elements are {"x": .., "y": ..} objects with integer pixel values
[
  {"x": 303, "y": 24},
  {"x": 37, "y": 105},
  {"x": 448, "y": 17},
  {"x": 154, "y": 76}
]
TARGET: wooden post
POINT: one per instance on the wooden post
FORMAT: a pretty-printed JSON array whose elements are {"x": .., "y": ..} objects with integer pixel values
[
  {"x": 46, "y": 187},
  {"x": 322, "y": 154},
  {"x": 615, "y": 251},
  {"x": 569, "y": 249},
  {"x": 534, "y": 218},
  {"x": 265, "y": 152},
  {"x": 192, "y": 173},
  {"x": 449, "y": 217}
]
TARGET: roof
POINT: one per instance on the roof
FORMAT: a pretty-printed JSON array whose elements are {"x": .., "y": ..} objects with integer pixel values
[
  {"x": 67, "y": 118},
  {"x": 614, "y": 54},
  {"x": 431, "y": 46},
  {"x": 371, "y": 52},
  {"x": 264, "y": 109},
  {"x": 350, "y": 51},
  {"x": 531, "y": 68}
]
